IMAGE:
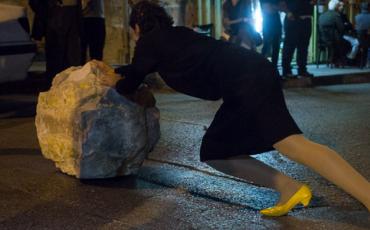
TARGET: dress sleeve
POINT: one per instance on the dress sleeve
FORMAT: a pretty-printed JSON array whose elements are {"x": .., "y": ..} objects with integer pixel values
[{"x": 144, "y": 62}]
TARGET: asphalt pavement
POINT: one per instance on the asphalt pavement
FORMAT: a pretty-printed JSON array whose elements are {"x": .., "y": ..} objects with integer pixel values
[{"x": 174, "y": 190}]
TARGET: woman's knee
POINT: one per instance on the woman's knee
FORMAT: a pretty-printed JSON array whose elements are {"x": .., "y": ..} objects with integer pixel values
[
  {"x": 294, "y": 147},
  {"x": 298, "y": 147},
  {"x": 289, "y": 143}
]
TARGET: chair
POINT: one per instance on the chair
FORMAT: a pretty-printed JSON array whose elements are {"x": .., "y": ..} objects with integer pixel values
[{"x": 326, "y": 46}]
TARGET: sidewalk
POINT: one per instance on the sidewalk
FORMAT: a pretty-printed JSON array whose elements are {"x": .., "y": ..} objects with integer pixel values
[{"x": 331, "y": 76}]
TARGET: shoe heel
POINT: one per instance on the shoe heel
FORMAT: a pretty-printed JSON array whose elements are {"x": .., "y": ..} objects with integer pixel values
[{"x": 306, "y": 201}]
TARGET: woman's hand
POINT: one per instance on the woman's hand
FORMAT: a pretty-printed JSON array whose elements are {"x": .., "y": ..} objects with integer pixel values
[
  {"x": 109, "y": 80},
  {"x": 107, "y": 76},
  {"x": 103, "y": 67}
]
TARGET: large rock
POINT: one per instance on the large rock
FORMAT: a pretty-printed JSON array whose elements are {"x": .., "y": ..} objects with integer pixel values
[{"x": 91, "y": 131}]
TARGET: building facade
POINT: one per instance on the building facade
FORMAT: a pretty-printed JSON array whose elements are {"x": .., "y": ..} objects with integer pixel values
[{"x": 119, "y": 45}]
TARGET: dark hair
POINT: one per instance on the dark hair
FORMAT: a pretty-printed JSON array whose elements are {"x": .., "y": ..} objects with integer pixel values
[{"x": 148, "y": 16}]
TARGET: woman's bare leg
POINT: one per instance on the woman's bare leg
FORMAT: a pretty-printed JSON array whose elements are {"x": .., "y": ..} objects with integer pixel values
[
  {"x": 328, "y": 164},
  {"x": 255, "y": 171}
]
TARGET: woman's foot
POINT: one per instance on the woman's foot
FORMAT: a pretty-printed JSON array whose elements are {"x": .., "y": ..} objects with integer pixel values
[
  {"x": 287, "y": 191},
  {"x": 303, "y": 196}
]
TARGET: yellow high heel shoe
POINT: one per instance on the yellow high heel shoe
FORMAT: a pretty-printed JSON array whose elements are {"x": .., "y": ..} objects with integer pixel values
[{"x": 303, "y": 196}]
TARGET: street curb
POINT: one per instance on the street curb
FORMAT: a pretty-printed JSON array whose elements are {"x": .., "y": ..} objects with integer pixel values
[
  {"x": 355, "y": 78},
  {"x": 339, "y": 79},
  {"x": 35, "y": 82}
]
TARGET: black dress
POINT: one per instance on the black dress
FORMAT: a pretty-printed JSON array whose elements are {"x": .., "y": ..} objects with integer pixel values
[{"x": 253, "y": 115}]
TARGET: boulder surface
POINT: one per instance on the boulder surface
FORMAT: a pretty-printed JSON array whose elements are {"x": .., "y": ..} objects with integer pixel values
[{"x": 91, "y": 131}]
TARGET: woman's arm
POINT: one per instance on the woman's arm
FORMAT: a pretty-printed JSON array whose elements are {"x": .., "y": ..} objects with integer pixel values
[
  {"x": 144, "y": 62},
  {"x": 226, "y": 18},
  {"x": 141, "y": 96},
  {"x": 231, "y": 22},
  {"x": 126, "y": 79}
]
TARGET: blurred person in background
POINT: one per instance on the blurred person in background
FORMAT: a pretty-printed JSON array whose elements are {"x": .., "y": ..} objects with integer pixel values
[
  {"x": 238, "y": 23},
  {"x": 272, "y": 29},
  {"x": 59, "y": 21},
  {"x": 362, "y": 22},
  {"x": 349, "y": 32},
  {"x": 298, "y": 28},
  {"x": 332, "y": 29},
  {"x": 93, "y": 30}
]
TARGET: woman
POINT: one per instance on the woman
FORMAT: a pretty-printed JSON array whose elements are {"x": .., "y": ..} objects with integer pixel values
[{"x": 253, "y": 117}]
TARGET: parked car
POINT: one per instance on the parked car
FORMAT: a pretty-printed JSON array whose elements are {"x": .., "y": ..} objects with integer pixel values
[{"x": 16, "y": 47}]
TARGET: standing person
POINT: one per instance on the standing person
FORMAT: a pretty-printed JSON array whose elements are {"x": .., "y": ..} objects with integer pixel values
[
  {"x": 60, "y": 20},
  {"x": 206, "y": 68},
  {"x": 271, "y": 29},
  {"x": 297, "y": 27},
  {"x": 93, "y": 30},
  {"x": 39, "y": 7},
  {"x": 237, "y": 20},
  {"x": 362, "y": 22}
]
